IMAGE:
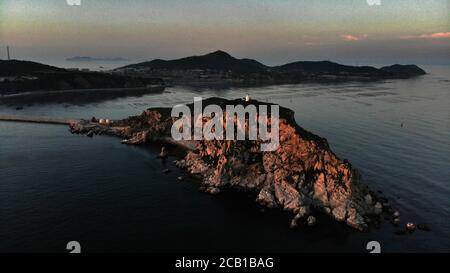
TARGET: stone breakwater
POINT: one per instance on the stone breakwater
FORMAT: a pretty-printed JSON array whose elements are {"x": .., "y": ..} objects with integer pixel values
[{"x": 303, "y": 176}]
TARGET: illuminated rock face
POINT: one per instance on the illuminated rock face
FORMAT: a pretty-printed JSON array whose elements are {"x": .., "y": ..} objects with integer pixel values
[
  {"x": 301, "y": 173},
  {"x": 301, "y": 176}
]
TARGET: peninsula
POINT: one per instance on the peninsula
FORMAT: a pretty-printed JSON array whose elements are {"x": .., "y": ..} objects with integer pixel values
[
  {"x": 19, "y": 78},
  {"x": 303, "y": 176}
]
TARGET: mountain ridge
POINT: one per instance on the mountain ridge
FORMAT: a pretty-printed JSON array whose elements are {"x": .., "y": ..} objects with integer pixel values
[{"x": 219, "y": 65}]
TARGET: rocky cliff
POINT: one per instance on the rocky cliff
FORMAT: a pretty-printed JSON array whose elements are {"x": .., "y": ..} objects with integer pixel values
[{"x": 302, "y": 176}]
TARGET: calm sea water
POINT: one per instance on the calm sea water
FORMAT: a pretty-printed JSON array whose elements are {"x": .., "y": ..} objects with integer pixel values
[{"x": 56, "y": 187}]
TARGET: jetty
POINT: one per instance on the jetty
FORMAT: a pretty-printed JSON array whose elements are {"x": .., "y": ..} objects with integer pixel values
[{"x": 44, "y": 120}]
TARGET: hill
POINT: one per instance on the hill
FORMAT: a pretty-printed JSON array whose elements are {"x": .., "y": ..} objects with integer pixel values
[
  {"x": 220, "y": 66},
  {"x": 16, "y": 67},
  {"x": 218, "y": 60},
  {"x": 25, "y": 76}
]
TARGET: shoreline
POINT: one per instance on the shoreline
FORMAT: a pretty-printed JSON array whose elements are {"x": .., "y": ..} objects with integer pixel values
[{"x": 82, "y": 91}]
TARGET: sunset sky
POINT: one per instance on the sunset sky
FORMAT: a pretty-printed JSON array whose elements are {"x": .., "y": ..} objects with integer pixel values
[{"x": 272, "y": 31}]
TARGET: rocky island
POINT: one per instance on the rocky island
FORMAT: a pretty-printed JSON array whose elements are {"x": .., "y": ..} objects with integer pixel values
[
  {"x": 303, "y": 176},
  {"x": 95, "y": 59}
]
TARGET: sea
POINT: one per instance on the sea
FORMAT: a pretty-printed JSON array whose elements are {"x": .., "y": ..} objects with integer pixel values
[{"x": 56, "y": 187}]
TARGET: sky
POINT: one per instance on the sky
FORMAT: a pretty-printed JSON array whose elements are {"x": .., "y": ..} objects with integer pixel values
[{"x": 271, "y": 31}]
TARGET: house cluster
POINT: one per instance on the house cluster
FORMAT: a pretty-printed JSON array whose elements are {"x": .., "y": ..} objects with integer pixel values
[{"x": 17, "y": 78}]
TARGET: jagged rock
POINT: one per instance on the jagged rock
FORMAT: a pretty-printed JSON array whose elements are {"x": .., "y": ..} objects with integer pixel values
[
  {"x": 137, "y": 138},
  {"x": 311, "y": 221},
  {"x": 339, "y": 213},
  {"x": 195, "y": 164},
  {"x": 164, "y": 153},
  {"x": 213, "y": 190},
  {"x": 368, "y": 199},
  {"x": 287, "y": 196},
  {"x": 180, "y": 163},
  {"x": 266, "y": 198},
  {"x": 355, "y": 220},
  {"x": 293, "y": 224},
  {"x": 302, "y": 212},
  {"x": 378, "y": 209}
]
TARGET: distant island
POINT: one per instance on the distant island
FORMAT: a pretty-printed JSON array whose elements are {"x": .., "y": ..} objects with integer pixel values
[
  {"x": 95, "y": 59},
  {"x": 219, "y": 66}
]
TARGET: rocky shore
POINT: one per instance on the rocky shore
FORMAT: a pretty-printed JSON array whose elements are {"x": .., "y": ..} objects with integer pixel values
[{"x": 303, "y": 176}]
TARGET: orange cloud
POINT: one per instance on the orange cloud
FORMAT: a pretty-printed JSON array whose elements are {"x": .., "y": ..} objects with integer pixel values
[
  {"x": 436, "y": 35},
  {"x": 348, "y": 37}
]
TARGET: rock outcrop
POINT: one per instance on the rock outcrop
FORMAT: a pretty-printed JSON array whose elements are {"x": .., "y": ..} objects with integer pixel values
[{"x": 302, "y": 176}]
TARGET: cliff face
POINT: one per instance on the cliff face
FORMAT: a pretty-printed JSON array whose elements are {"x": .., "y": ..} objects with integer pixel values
[
  {"x": 302, "y": 175},
  {"x": 299, "y": 175}
]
